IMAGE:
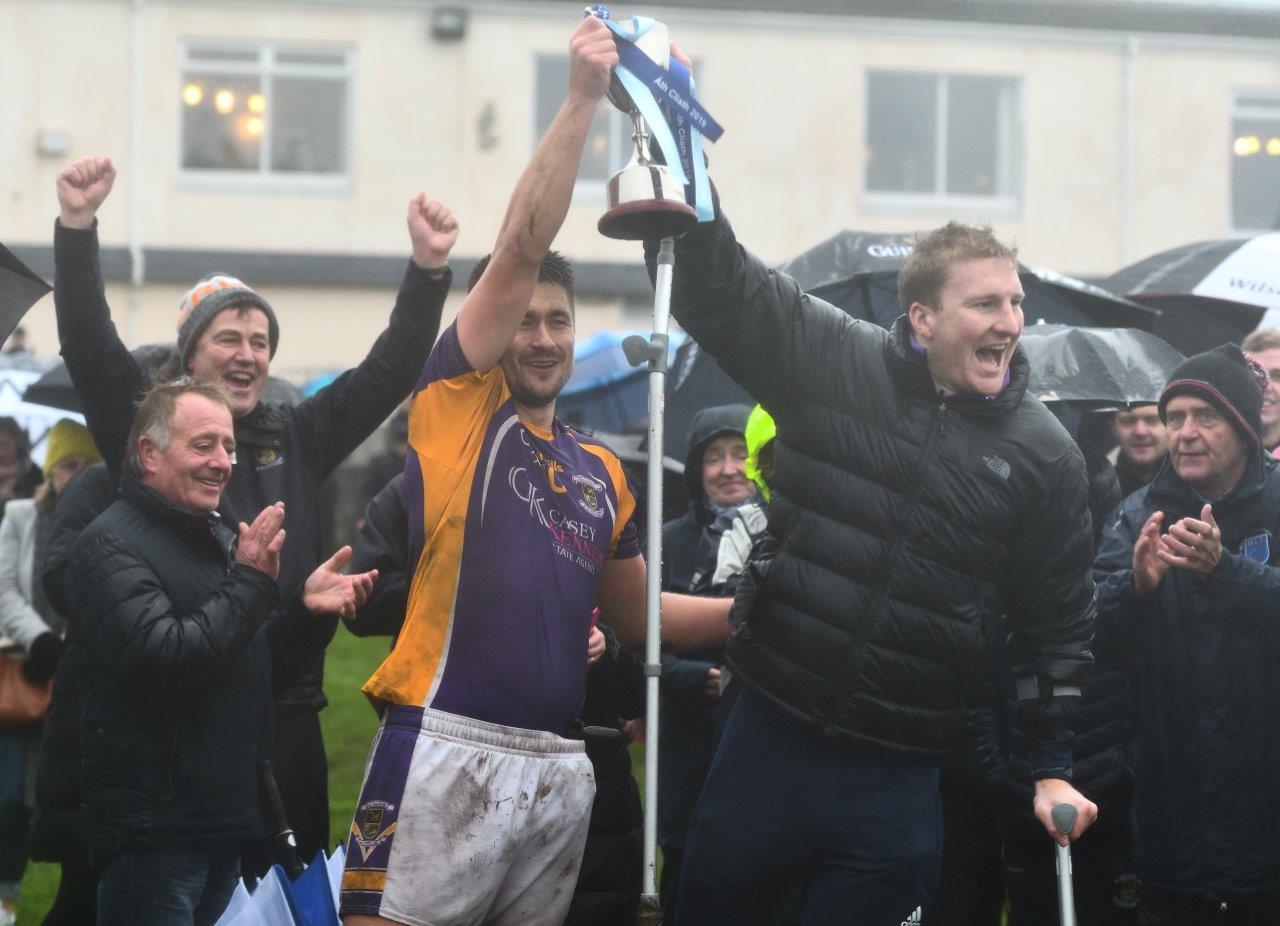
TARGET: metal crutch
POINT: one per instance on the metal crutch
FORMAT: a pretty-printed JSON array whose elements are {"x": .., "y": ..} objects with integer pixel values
[
  {"x": 1064, "y": 818},
  {"x": 653, "y": 352}
]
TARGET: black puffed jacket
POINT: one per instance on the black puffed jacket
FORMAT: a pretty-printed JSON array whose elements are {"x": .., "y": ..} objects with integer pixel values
[
  {"x": 174, "y": 678},
  {"x": 904, "y": 523}
]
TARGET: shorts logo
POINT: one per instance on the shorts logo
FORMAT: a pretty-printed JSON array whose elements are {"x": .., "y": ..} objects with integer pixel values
[
  {"x": 367, "y": 827},
  {"x": 591, "y": 490}
]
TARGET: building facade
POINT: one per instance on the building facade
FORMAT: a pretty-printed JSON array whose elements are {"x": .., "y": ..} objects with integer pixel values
[{"x": 280, "y": 141}]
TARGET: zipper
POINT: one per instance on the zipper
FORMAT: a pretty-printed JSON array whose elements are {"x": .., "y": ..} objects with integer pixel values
[{"x": 936, "y": 430}]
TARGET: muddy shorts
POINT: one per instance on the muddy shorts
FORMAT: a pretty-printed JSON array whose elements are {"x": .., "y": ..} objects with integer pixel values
[{"x": 462, "y": 822}]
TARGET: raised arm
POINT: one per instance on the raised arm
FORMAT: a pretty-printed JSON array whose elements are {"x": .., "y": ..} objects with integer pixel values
[
  {"x": 104, "y": 373},
  {"x": 492, "y": 312},
  {"x": 338, "y": 418}
]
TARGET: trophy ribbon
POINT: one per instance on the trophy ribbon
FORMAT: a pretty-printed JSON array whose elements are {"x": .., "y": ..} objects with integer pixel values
[{"x": 666, "y": 99}]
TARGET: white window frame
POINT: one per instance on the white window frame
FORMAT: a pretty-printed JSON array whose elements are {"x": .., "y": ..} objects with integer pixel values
[
  {"x": 1009, "y": 153},
  {"x": 266, "y": 68},
  {"x": 587, "y": 191},
  {"x": 1238, "y": 110}
]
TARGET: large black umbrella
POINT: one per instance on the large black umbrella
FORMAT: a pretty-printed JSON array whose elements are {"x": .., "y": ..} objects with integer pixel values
[
  {"x": 20, "y": 289},
  {"x": 858, "y": 271},
  {"x": 694, "y": 382},
  {"x": 1099, "y": 366},
  {"x": 1209, "y": 292},
  {"x": 54, "y": 389}
]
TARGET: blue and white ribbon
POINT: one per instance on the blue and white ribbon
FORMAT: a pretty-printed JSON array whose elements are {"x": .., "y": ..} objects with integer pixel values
[{"x": 667, "y": 101}]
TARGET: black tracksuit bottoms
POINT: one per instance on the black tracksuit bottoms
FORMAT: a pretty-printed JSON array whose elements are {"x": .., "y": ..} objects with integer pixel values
[{"x": 860, "y": 829}]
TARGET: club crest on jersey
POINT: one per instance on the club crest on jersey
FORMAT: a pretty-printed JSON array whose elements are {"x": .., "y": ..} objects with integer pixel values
[
  {"x": 1257, "y": 547},
  {"x": 591, "y": 490}
]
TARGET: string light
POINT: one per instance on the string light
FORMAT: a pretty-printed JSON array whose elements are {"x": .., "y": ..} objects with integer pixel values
[
  {"x": 192, "y": 94},
  {"x": 224, "y": 101},
  {"x": 257, "y": 103}
]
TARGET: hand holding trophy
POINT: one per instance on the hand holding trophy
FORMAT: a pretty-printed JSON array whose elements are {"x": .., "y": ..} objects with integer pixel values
[{"x": 647, "y": 200}]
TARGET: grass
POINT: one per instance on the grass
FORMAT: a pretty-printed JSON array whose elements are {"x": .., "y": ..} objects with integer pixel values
[{"x": 348, "y": 723}]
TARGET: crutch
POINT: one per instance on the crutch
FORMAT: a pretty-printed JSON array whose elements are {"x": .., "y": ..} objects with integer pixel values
[
  {"x": 1064, "y": 818},
  {"x": 652, "y": 351}
]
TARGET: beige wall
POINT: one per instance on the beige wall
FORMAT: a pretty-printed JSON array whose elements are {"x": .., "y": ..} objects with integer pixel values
[{"x": 788, "y": 89}]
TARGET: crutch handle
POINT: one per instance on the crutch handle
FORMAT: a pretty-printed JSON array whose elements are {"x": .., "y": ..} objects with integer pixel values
[{"x": 1064, "y": 818}]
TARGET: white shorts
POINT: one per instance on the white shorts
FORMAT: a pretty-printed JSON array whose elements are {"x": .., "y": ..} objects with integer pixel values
[{"x": 466, "y": 822}]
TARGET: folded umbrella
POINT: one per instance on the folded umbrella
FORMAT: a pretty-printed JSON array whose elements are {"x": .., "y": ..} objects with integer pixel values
[{"x": 310, "y": 895}]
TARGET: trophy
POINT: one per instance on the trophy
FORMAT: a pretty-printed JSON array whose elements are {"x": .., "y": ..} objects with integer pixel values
[{"x": 645, "y": 200}]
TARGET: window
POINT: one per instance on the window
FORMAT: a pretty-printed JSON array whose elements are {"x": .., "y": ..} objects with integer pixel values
[
  {"x": 265, "y": 112},
  {"x": 931, "y": 136},
  {"x": 1255, "y": 161},
  {"x": 609, "y": 146}
]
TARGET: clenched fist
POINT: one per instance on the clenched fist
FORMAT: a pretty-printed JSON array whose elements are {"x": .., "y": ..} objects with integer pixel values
[
  {"x": 433, "y": 231},
  {"x": 82, "y": 186}
]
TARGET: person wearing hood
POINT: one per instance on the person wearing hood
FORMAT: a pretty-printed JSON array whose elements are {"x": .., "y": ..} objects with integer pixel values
[
  {"x": 715, "y": 472},
  {"x": 1188, "y": 593}
]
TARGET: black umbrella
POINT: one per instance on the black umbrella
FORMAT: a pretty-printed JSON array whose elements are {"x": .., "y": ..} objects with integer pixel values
[
  {"x": 1209, "y": 292},
  {"x": 20, "y": 289},
  {"x": 858, "y": 272},
  {"x": 54, "y": 389},
  {"x": 1099, "y": 366},
  {"x": 694, "y": 382}
]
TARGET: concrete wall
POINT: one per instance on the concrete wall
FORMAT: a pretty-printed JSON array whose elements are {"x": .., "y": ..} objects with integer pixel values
[{"x": 790, "y": 91}]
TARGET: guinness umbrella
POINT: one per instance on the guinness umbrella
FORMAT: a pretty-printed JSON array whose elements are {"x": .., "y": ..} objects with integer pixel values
[
  {"x": 20, "y": 289},
  {"x": 1209, "y": 292},
  {"x": 858, "y": 272},
  {"x": 1099, "y": 366}
]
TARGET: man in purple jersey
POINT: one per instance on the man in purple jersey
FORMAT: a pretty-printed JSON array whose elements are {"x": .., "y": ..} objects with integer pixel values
[{"x": 476, "y": 799}]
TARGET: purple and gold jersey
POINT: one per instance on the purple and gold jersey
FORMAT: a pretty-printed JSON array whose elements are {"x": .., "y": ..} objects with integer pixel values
[{"x": 510, "y": 527}]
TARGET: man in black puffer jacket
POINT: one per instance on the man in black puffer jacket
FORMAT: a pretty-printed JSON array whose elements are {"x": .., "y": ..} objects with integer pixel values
[
  {"x": 919, "y": 493},
  {"x": 165, "y": 606},
  {"x": 1188, "y": 602},
  {"x": 285, "y": 451}
]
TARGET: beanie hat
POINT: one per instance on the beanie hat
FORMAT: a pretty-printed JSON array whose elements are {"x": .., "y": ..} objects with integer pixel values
[
  {"x": 68, "y": 438},
  {"x": 209, "y": 297},
  {"x": 1227, "y": 380}
]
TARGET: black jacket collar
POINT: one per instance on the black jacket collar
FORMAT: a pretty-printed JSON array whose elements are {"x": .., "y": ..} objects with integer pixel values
[
  {"x": 911, "y": 371},
  {"x": 262, "y": 427},
  {"x": 155, "y": 505}
]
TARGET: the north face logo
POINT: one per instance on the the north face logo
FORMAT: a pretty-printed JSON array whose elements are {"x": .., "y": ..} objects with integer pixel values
[{"x": 997, "y": 465}]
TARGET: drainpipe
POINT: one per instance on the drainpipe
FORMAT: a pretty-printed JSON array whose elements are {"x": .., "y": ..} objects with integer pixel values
[
  {"x": 1126, "y": 150},
  {"x": 137, "y": 268}
]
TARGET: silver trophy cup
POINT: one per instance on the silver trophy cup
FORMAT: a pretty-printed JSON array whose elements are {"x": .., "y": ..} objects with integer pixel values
[{"x": 645, "y": 201}]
